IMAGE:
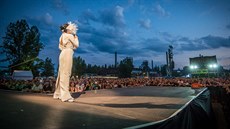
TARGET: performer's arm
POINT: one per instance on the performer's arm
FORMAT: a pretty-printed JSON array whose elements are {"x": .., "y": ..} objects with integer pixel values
[
  {"x": 61, "y": 43},
  {"x": 61, "y": 46},
  {"x": 74, "y": 40}
]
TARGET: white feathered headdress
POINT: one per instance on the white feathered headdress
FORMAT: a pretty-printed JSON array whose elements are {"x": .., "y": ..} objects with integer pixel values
[{"x": 73, "y": 27}]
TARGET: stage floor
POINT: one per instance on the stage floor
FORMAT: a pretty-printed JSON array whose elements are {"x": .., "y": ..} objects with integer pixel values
[{"x": 108, "y": 108}]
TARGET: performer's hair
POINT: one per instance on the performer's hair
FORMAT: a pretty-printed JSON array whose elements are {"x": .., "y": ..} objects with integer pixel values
[{"x": 63, "y": 27}]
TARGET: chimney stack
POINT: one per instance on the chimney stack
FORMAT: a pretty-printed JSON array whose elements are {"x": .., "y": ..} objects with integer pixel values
[{"x": 115, "y": 60}]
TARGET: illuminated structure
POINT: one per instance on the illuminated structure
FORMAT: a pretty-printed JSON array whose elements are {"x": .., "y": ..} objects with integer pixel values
[
  {"x": 169, "y": 61},
  {"x": 203, "y": 66}
]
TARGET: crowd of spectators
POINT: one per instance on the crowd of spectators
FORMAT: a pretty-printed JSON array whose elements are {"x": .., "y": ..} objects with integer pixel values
[
  {"x": 38, "y": 85},
  {"x": 47, "y": 85},
  {"x": 110, "y": 83}
]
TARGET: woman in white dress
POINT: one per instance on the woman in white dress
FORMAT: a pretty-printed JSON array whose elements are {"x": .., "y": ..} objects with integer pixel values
[{"x": 68, "y": 42}]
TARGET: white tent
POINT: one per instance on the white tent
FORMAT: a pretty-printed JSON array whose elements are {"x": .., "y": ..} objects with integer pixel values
[{"x": 22, "y": 75}]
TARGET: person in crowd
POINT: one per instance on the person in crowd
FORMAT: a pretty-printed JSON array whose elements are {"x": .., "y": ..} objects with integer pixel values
[
  {"x": 47, "y": 88},
  {"x": 37, "y": 87},
  {"x": 72, "y": 87}
]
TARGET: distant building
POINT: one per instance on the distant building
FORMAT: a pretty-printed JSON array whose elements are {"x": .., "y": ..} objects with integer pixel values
[
  {"x": 136, "y": 72},
  {"x": 22, "y": 75},
  {"x": 204, "y": 66}
]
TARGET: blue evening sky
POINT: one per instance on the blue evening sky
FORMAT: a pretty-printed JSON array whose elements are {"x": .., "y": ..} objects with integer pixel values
[{"x": 142, "y": 29}]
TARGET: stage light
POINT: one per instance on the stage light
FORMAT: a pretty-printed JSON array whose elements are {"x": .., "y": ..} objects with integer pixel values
[
  {"x": 212, "y": 66},
  {"x": 193, "y": 67}
]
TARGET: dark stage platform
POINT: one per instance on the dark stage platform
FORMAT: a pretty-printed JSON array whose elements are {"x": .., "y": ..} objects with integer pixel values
[{"x": 108, "y": 108}]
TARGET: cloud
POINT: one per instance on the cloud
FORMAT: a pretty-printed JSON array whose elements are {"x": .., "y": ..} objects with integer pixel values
[
  {"x": 202, "y": 43},
  {"x": 88, "y": 16},
  {"x": 108, "y": 35},
  {"x": 207, "y": 12},
  {"x": 113, "y": 17},
  {"x": 45, "y": 19},
  {"x": 228, "y": 26},
  {"x": 50, "y": 33},
  {"x": 103, "y": 39},
  {"x": 48, "y": 29},
  {"x": 215, "y": 41},
  {"x": 167, "y": 37},
  {"x": 155, "y": 44},
  {"x": 110, "y": 17},
  {"x": 59, "y": 5},
  {"x": 158, "y": 9},
  {"x": 107, "y": 40},
  {"x": 155, "y": 9},
  {"x": 163, "y": 39},
  {"x": 48, "y": 18},
  {"x": 131, "y": 2},
  {"x": 146, "y": 24},
  {"x": 186, "y": 44},
  {"x": 224, "y": 60}
]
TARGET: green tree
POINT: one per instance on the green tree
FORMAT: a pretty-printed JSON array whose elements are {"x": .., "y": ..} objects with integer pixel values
[
  {"x": 21, "y": 45},
  {"x": 186, "y": 70},
  {"x": 164, "y": 70},
  {"x": 145, "y": 67},
  {"x": 37, "y": 67},
  {"x": 79, "y": 66},
  {"x": 125, "y": 68},
  {"x": 48, "y": 68}
]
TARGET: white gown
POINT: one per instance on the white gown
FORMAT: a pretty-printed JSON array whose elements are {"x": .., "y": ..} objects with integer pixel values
[{"x": 67, "y": 45}]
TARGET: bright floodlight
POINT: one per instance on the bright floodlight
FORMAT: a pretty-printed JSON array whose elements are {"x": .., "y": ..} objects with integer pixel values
[
  {"x": 212, "y": 66},
  {"x": 193, "y": 66}
]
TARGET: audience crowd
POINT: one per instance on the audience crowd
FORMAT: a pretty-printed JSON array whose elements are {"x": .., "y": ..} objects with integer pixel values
[
  {"x": 38, "y": 85},
  {"x": 47, "y": 85}
]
